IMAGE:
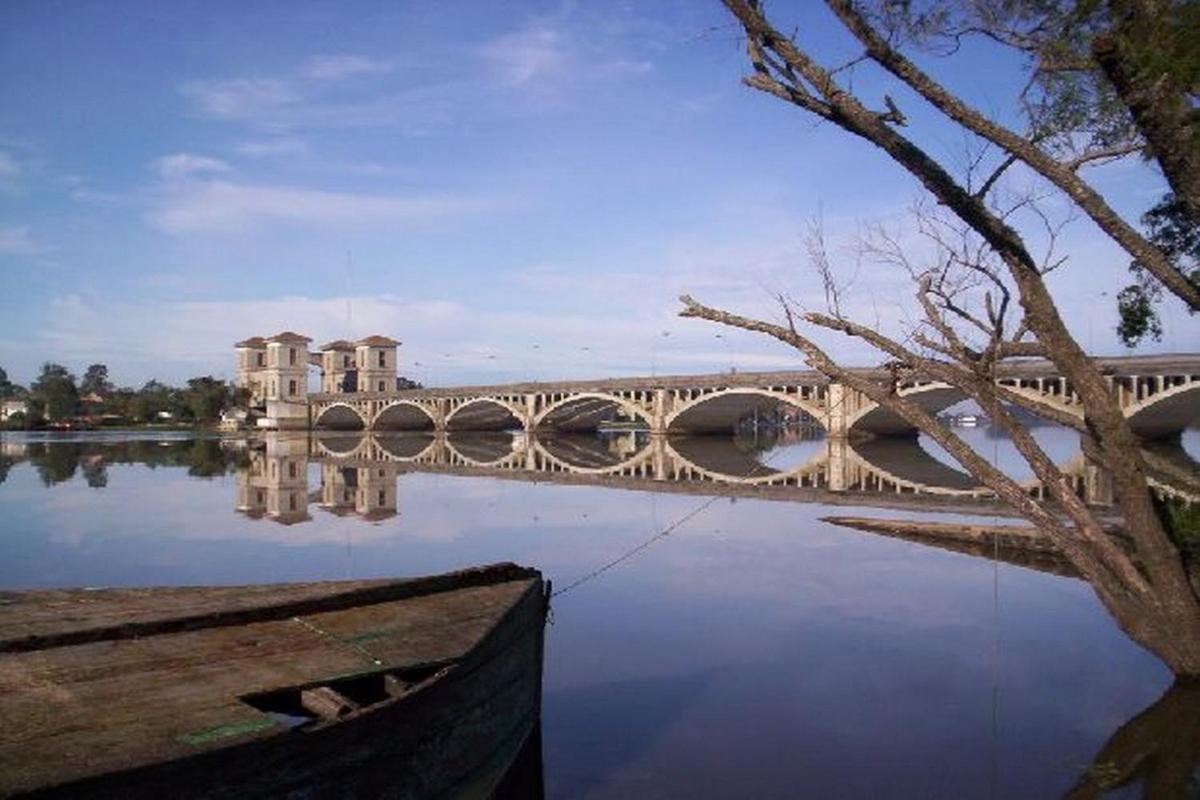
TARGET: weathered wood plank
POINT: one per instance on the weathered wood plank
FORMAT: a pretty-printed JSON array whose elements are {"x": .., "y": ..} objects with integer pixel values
[{"x": 31, "y": 620}]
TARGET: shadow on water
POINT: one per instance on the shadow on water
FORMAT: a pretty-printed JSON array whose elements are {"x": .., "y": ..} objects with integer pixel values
[
  {"x": 526, "y": 778},
  {"x": 596, "y": 720}
]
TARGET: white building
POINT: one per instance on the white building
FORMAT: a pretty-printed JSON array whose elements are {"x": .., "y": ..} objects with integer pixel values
[{"x": 11, "y": 406}]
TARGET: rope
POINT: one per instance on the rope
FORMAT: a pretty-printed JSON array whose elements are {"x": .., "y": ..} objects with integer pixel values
[
  {"x": 352, "y": 646},
  {"x": 662, "y": 534}
]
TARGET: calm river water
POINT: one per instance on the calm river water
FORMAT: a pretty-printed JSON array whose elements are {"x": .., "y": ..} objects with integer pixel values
[{"x": 754, "y": 651}]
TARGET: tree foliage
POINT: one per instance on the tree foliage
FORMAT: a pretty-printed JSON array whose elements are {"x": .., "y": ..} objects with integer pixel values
[
  {"x": 983, "y": 293},
  {"x": 1170, "y": 228},
  {"x": 55, "y": 388},
  {"x": 7, "y": 387},
  {"x": 95, "y": 380},
  {"x": 1106, "y": 80}
]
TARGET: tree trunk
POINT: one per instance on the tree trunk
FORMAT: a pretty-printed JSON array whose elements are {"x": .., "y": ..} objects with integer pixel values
[{"x": 1136, "y": 58}]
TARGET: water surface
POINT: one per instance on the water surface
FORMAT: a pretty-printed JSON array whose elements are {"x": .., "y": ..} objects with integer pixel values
[{"x": 753, "y": 651}]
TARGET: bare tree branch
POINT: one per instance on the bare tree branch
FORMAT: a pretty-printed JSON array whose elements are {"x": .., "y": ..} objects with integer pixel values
[{"x": 1061, "y": 176}]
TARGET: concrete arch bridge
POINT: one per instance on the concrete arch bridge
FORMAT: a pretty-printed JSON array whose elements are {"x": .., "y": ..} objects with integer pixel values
[{"x": 1160, "y": 395}]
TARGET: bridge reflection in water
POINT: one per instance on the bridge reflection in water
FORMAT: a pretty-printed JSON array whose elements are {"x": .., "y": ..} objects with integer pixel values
[{"x": 359, "y": 471}]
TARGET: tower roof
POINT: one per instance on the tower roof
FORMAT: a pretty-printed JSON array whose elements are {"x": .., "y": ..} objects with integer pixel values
[
  {"x": 288, "y": 337},
  {"x": 377, "y": 341},
  {"x": 337, "y": 344},
  {"x": 253, "y": 341}
]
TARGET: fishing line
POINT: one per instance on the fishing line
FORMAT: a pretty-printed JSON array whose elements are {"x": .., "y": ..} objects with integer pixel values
[
  {"x": 662, "y": 534},
  {"x": 995, "y": 642}
]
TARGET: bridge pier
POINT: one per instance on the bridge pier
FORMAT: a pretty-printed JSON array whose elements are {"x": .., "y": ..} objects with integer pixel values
[{"x": 836, "y": 411}]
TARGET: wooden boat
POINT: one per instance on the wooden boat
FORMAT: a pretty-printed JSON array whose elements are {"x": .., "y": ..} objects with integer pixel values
[{"x": 408, "y": 689}]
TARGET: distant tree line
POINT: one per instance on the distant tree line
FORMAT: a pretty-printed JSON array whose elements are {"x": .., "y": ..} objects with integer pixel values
[{"x": 56, "y": 396}]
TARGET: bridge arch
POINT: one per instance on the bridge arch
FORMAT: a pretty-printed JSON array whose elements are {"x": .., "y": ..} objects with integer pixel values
[
  {"x": 484, "y": 414},
  {"x": 1167, "y": 412},
  {"x": 584, "y": 411},
  {"x": 873, "y": 418},
  {"x": 720, "y": 410},
  {"x": 404, "y": 448},
  {"x": 587, "y": 455},
  {"x": 888, "y": 464},
  {"x": 404, "y": 415},
  {"x": 344, "y": 445},
  {"x": 340, "y": 417},
  {"x": 720, "y": 461},
  {"x": 483, "y": 449}
]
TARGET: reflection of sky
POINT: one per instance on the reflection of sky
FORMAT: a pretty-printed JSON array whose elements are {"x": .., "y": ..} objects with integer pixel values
[
  {"x": 1059, "y": 443},
  {"x": 755, "y": 652}
]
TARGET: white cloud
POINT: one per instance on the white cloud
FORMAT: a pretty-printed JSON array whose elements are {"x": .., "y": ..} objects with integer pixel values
[
  {"x": 240, "y": 98},
  {"x": 220, "y": 206},
  {"x": 182, "y": 165},
  {"x": 336, "y": 67},
  {"x": 193, "y": 338},
  {"x": 277, "y": 106},
  {"x": 16, "y": 241},
  {"x": 544, "y": 59},
  {"x": 625, "y": 66},
  {"x": 526, "y": 55},
  {"x": 273, "y": 148},
  {"x": 95, "y": 198}
]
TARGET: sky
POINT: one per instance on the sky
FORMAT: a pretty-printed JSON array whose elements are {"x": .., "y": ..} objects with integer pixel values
[{"x": 514, "y": 190}]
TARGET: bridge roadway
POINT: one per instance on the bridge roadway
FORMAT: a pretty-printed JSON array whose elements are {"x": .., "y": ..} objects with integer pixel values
[{"x": 1159, "y": 394}]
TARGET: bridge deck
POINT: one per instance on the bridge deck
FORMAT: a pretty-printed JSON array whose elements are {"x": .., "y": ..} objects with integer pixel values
[{"x": 1030, "y": 368}]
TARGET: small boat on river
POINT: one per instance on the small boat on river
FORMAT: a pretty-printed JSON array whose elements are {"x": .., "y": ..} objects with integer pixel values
[{"x": 419, "y": 688}]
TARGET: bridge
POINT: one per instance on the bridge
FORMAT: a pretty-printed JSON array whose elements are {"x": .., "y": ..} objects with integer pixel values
[{"x": 1160, "y": 395}]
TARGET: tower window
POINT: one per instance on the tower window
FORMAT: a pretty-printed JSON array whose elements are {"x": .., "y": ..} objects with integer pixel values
[
  {"x": 381, "y": 385},
  {"x": 291, "y": 388},
  {"x": 346, "y": 361},
  {"x": 291, "y": 356},
  {"x": 261, "y": 359},
  {"x": 382, "y": 359}
]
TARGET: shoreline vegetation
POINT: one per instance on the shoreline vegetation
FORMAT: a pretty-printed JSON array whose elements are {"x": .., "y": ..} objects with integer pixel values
[{"x": 57, "y": 401}]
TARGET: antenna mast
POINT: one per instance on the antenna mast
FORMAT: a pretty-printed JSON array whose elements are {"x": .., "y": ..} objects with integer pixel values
[{"x": 349, "y": 270}]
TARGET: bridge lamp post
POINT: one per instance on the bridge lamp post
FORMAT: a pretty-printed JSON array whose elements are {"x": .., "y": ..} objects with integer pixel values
[{"x": 532, "y": 371}]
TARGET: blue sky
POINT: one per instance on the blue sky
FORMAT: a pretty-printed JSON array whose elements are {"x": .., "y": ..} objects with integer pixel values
[{"x": 515, "y": 190}]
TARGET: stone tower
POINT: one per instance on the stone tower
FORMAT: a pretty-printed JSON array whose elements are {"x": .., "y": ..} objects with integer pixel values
[
  {"x": 286, "y": 378},
  {"x": 339, "y": 373},
  {"x": 251, "y": 369},
  {"x": 375, "y": 357}
]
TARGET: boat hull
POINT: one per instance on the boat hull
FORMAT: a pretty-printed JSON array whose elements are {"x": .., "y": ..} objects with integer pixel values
[{"x": 453, "y": 734}]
